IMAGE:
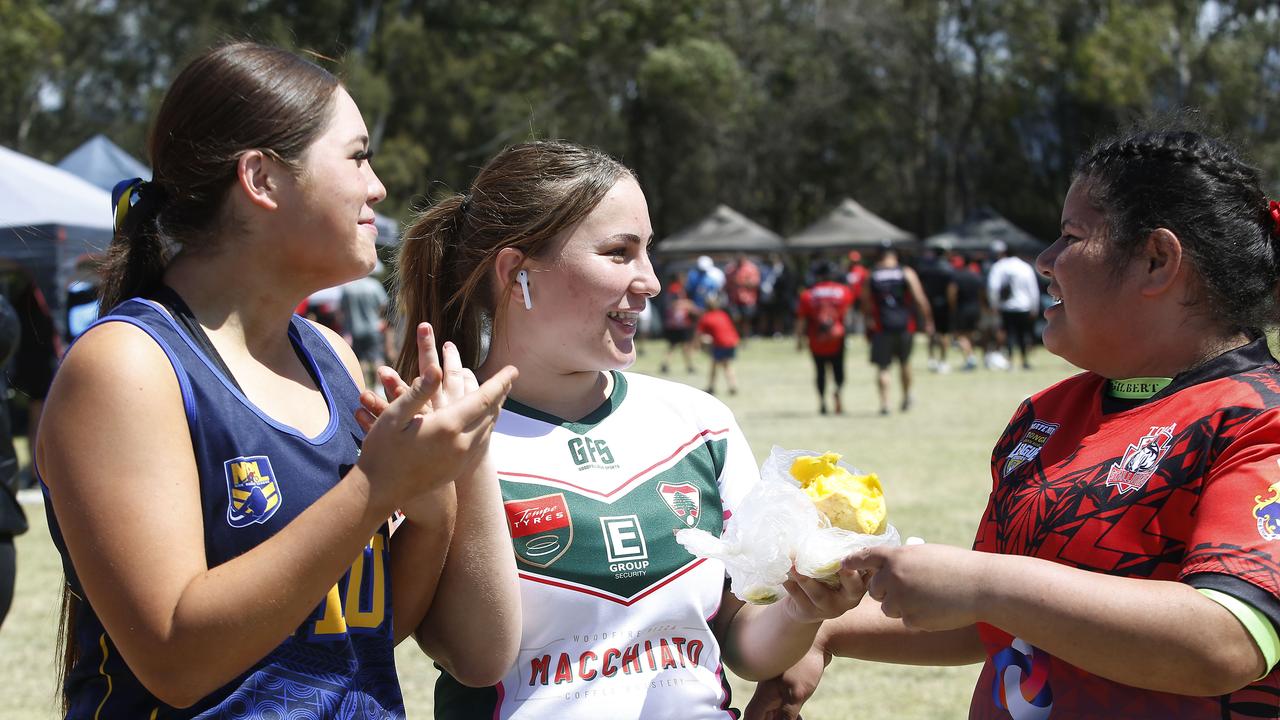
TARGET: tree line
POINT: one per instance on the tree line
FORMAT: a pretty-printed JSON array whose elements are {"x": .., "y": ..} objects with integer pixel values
[{"x": 922, "y": 110}]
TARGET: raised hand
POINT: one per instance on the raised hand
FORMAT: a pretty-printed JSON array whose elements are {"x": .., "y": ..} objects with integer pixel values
[{"x": 435, "y": 428}]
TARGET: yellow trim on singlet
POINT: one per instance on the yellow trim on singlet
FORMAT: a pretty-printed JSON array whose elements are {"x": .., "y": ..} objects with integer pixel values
[
  {"x": 102, "y": 670},
  {"x": 1259, "y": 626}
]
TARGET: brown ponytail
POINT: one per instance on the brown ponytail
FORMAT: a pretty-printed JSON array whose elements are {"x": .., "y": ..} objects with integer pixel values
[{"x": 527, "y": 196}]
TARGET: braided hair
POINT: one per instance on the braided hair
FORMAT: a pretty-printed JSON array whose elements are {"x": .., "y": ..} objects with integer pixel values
[{"x": 1201, "y": 190}]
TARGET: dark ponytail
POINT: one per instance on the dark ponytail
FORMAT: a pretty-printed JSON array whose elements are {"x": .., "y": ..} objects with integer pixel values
[
  {"x": 524, "y": 198},
  {"x": 233, "y": 98}
]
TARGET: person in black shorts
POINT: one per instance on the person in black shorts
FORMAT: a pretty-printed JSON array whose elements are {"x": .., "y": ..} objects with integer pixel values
[
  {"x": 938, "y": 283},
  {"x": 891, "y": 299},
  {"x": 970, "y": 297},
  {"x": 678, "y": 317}
]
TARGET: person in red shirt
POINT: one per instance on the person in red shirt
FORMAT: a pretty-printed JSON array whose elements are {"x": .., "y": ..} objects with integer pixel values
[
  {"x": 856, "y": 277},
  {"x": 821, "y": 318},
  {"x": 1127, "y": 564},
  {"x": 715, "y": 327},
  {"x": 742, "y": 285}
]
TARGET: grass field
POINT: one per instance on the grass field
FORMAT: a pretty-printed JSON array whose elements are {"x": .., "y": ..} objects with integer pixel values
[{"x": 933, "y": 461}]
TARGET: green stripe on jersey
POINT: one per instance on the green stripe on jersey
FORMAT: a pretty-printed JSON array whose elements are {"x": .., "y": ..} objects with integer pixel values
[{"x": 1260, "y": 627}]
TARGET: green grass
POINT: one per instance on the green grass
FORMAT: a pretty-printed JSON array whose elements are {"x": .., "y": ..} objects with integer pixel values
[{"x": 934, "y": 462}]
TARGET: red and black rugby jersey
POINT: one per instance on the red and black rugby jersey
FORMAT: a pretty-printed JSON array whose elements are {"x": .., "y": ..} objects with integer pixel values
[{"x": 1182, "y": 486}]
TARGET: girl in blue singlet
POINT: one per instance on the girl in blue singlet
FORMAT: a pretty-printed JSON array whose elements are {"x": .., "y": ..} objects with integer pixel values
[{"x": 221, "y": 512}]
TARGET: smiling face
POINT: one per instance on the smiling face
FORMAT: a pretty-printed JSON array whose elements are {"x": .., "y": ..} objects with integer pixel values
[
  {"x": 1089, "y": 325},
  {"x": 588, "y": 290},
  {"x": 332, "y": 199}
]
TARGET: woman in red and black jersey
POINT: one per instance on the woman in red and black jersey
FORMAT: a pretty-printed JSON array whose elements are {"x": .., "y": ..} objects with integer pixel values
[{"x": 1128, "y": 562}]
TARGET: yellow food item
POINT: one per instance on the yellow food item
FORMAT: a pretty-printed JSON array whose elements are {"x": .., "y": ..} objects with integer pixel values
[{"x": 852, "y": 502}]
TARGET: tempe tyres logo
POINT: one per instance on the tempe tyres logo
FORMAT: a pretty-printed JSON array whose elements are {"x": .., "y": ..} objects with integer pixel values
[{"x": 541, "y": 528}]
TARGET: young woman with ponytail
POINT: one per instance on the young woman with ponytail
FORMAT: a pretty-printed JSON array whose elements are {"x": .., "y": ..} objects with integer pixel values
[
  {"x": 221, "y": 512},
  {"x": 543, "y": 264},
  {"x": 1128, "y": 562}
]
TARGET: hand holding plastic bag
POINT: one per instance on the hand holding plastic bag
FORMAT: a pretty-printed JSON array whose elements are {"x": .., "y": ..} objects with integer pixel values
[{"x": 777, "y": 526}]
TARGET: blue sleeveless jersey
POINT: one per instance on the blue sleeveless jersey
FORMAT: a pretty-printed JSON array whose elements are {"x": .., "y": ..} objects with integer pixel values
[{"x": 256, "y": 476}]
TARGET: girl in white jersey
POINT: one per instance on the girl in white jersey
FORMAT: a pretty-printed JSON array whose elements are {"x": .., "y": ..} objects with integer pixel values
[{"x": 547, "y": 256}]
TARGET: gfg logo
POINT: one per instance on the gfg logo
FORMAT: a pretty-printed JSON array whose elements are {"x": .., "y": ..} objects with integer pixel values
[{"x": 587, "y": 452}]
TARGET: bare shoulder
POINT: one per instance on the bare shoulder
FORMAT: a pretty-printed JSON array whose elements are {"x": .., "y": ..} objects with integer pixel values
[
  {"x": 343, "y": 350},
  {"x": 113, "y": 356},
  {"x": 115, "y": 380}
]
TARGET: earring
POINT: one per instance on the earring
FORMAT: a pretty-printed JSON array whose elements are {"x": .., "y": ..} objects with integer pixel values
[{"x": 522, "y": 277}]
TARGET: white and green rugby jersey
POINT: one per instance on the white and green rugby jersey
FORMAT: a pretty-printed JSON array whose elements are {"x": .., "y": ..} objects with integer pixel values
[{"x": 616, "y": 613}]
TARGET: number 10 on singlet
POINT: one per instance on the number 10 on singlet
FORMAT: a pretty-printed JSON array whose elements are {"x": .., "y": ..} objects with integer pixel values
[{"x": 338, "y": 613}]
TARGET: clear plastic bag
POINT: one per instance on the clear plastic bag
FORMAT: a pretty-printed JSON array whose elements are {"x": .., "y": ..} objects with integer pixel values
[
  {"x": 756, "y": 545},
  {"x": 775, "y": 527}
]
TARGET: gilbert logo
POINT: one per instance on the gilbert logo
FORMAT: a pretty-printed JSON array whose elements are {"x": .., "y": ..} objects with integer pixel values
[
  {"x": 541, "y": 528},
  {"x": 588, "y": 453}
]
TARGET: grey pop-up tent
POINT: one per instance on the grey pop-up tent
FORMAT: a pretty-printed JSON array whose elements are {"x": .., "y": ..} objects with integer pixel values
[
  {"x": 849, "y": 226},
  {"x": 982, "y": 231},
  {"x": 103, "y": 163},
  {"x": 724, "y": 231},
  {"x": 49, "y": 221}
]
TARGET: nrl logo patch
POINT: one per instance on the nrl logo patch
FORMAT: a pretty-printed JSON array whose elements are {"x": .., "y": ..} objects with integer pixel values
[
  {"x": 682, "y": 499},
  {"x": 1267, "y": 512},
  {"x": 252, "y": 491},
  {"x": 541, "y": 528},
  {"x": 1140, "y": 461},
  {"x": 1032, "y": 442}
]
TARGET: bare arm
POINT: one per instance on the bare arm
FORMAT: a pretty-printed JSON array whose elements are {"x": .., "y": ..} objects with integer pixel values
[
  {"x": 867, "y": 634},
  {"x": 760, "y": 642},
  {"x": 183, "y": 627},
  {"x": 479, "y": 572},
  {"x": 1151, "y": 634},
  {"x": 917, "y": 295}
]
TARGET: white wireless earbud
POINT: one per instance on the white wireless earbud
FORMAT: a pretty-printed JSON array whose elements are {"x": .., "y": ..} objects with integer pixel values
[{"x": 522, "y": 277}]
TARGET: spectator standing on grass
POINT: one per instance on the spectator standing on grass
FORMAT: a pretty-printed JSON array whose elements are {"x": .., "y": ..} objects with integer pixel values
[
  {"x": 937, "y": 279},
  {"x": 364, "y": 310},
  {"x": 678, "y": 317},
  {"x": 820, "y": 319},
  {"x": 777, "y": 295},
  {"x": 34, "y": 361},
  {"x": 13, "y": 521},
  {"x": 704, "y": 279},
  {"x": 742, "y": 288},
  {"x": 970, "y": 302},
  {"x": 891, "y": 301},
  {"x": 856, "y": 277},
  {"x": 716, "y": 330},
  {"x": 1013, "y": 289},
  {"x": 1128, "y": 561}
]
